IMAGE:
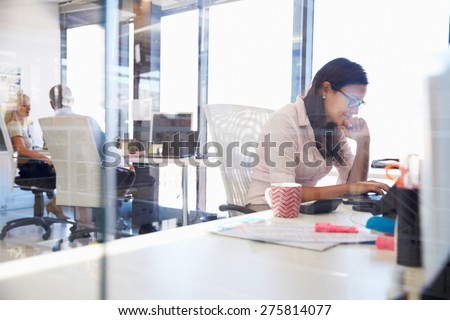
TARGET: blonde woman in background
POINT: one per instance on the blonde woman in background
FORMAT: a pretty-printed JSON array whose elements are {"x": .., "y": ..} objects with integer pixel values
[{"x": 31, "y": 164}]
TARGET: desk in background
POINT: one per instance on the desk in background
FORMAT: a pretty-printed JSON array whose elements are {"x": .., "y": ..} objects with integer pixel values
[
  {"x": 156, "y": 161},
  {"x": 184, "y": 163},
  {"x": 192, "y": 263}
]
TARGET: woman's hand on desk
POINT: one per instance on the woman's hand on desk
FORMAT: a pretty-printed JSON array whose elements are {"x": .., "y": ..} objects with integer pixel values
[
  {"x": 340, "y": 190},
  {"x": 368, "y": 186}
]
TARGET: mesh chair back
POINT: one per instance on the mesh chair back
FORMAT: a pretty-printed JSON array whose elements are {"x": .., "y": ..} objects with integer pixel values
[
  {"x": 236, "y": 128},
  {"x": 74, "y": 154}
]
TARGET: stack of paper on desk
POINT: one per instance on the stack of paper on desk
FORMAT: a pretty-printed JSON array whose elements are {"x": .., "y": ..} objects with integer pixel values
[{"x": 288, "y": 232}]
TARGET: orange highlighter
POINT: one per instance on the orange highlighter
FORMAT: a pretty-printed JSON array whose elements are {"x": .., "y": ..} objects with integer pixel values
[{"x": 328, "y": 227}]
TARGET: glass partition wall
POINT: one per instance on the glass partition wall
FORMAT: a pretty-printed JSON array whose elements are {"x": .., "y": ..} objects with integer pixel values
[
  {"x": 126, "y": 60},
  {"x": 177, "y": 56}
]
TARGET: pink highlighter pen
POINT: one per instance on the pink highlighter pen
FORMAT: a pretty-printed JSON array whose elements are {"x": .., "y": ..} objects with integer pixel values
[{"x": 328, "y": 227}]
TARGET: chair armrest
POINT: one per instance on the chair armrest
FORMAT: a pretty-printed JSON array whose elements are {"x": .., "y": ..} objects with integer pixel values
[{"x": 228, "y": 206}]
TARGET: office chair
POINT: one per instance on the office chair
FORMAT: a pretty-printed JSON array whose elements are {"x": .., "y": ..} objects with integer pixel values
[
  {"x": 79, "y": 172},
  {"x": 230, "y": 124},
  {"x": 37, "y": 186}
]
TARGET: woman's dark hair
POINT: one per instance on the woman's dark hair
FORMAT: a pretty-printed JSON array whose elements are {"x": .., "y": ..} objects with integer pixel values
[{"x": 339, "y": 73}]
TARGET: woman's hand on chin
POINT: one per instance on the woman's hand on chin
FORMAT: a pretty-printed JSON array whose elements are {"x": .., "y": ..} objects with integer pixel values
[{"x": 355, "y": 128}]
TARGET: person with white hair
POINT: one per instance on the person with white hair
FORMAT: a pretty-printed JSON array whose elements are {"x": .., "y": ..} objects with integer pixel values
[
  {"x": 61, "y": 100},
  {"x": 31, "y": 164}
]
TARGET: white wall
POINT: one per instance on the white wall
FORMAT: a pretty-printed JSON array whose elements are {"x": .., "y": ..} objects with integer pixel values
[
  {"x": 397, "y": 43},
  {"x": 30, "y": 38}
]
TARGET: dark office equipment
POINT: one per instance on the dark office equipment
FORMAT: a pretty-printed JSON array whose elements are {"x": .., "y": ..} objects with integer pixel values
[
  {"x": 368, "y": 199},
  {"x": 181, "y": 144},
  {"x": 145, "y": 202},
  {"x": 408, "y": 228},
  {"x": 376, "y": 204},
  {"x": 174, "y": 133},
  {"x": 145, "y": 189},
  {"x": 382, "y": 163},
  {"x": 320, "y": 206},
  {"x": 362, "y": 208},
  {"x": 165, "y": 125}
]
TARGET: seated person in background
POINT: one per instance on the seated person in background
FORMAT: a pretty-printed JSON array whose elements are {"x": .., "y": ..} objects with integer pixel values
[
  {"x": 61, "y": 100},
  {"x": 307, "y": 138},
  {"x": 31, "y": 164}
]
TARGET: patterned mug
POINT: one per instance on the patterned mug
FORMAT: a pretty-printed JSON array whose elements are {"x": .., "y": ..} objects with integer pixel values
[{"x": 284, "y": 199}]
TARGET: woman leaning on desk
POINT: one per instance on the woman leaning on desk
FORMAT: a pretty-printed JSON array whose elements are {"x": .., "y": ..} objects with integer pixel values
[
  {"x": 302, "y": 141},
  {"x": 31, "y": 164}
]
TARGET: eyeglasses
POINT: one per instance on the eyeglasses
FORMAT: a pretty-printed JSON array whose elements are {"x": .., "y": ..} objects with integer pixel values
[{"x": 352, "y": 102}]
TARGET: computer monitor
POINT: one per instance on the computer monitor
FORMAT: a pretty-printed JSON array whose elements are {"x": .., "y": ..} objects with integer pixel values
[
  {"x": 166, "y": 125},
  {"x": 174, "y": 132}
]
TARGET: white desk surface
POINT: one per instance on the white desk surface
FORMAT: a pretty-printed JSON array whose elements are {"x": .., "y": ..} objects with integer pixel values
[{"x": 192, "y": 263}]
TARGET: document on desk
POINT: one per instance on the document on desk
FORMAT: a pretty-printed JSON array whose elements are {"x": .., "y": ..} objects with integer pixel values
[{"x": 289, "y": 233}]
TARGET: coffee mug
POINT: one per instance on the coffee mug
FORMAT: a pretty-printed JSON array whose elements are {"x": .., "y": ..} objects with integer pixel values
[{"x": 284, "y": 199}]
